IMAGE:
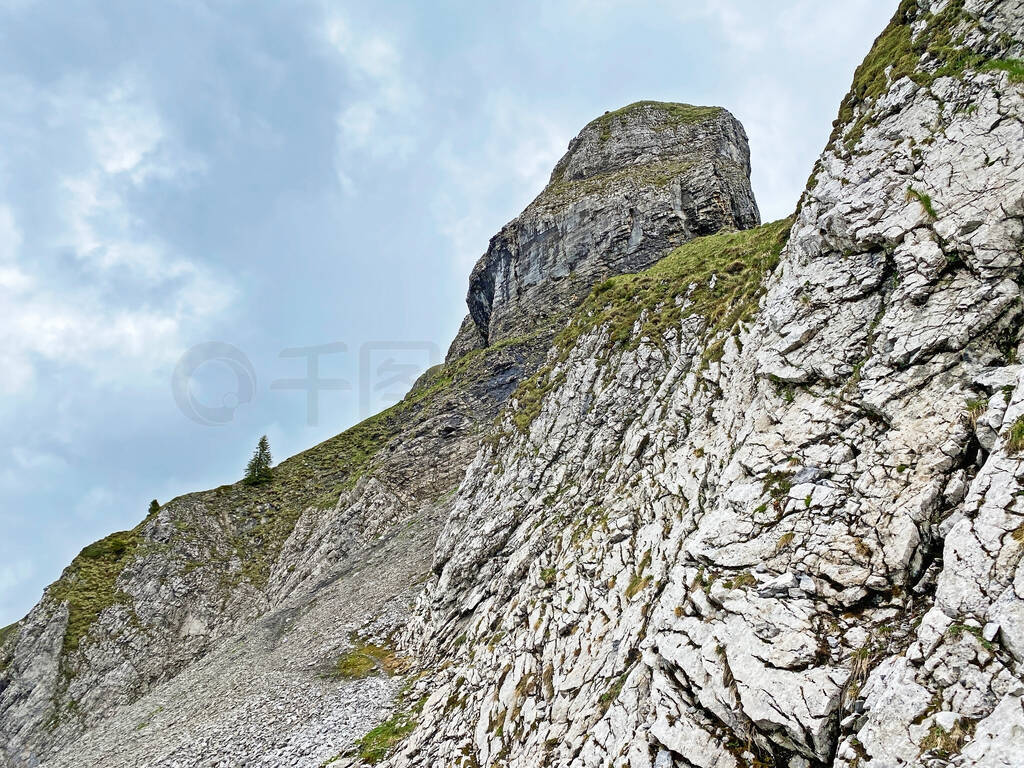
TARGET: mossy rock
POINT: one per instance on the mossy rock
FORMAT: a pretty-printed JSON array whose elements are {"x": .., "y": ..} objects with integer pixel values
[
  {"x": 718, "y": 277},
  {"x": 364, "y": 659},
  {"x": 937, "y": 50},
  {"x": 88, "y": 585},
  {"x": 381, "y": 741},
  {"x": 673, "y": 115}
]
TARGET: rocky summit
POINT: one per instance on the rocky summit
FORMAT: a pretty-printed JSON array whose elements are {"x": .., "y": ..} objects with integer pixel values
[
  {"x": 688, "y": 492},
  {"x": 634, "y": 183}
]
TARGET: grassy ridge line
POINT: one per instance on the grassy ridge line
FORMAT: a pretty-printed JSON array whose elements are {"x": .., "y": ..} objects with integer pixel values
[
  {"x": 264, "y": 515},
  {"x": 674, "y": 115},
  {"x": 677, "y": 114},
  {"x": 938, "y": 50},
  {"x": 721, "y": 277}
]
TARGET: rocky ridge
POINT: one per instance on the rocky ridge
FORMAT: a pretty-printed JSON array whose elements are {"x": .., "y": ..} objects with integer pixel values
[
  {"x": 186, "y": 589},
  {"x": 759, "y": 505},
  {"x": 633, "y": 184}
]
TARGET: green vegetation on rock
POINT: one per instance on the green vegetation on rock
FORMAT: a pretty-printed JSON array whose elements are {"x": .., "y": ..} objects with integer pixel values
[
  {"x": 676, "y": 115},
  {"x": 947, "y": 743},
  {"x": 925, "y": 201},
  {"x": 262, "y": 515},
  {"x": 6, "y": 632},
  {"x": 937, "y": 50},
  {"x": 1015, "y": 437},
  {"x": 379, "y": 742},
  {"x": 657, "y": 174},
  {"x": 720, "y": 277},
  {"x": 364, "y": 659},
  {"x": 1014, "y": 67},
  {"x": 88, "y": 585}
]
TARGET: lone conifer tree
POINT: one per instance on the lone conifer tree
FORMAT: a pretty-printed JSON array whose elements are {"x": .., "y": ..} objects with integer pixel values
[
  {"x": 154, "y": 506},
  {"x": 258, "y": 468}
]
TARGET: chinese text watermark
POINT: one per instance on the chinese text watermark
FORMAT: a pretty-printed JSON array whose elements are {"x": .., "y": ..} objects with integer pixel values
[{"x": 212, "y": 380}]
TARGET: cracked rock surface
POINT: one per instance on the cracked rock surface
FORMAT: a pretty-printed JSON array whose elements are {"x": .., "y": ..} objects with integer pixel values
[
  {"x": 759, "y": 505},
  {"x": 634, "y": 183},
  {"x": 140, "y": 617}
]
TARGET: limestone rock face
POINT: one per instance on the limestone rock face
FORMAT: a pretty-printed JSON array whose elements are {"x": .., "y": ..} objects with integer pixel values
[
  {"x": 794, "y": 540},
  {"x": 138, "y": 609},
  {"x": 759, "y": 504},
  {"x": 633, "y": 183}
]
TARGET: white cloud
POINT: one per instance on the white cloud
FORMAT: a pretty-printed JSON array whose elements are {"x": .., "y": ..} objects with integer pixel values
[
  {"x": 123, "y": 131},
  {"x": 124, "y": 307},
  {"x": 374, "y": 117}
]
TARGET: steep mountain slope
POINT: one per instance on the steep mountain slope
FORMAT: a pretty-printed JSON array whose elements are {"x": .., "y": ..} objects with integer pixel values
[
  {"x": 704, "y": 536},
  {"x": 758, "y": 504},
  {"x": 236, "y": 575}
]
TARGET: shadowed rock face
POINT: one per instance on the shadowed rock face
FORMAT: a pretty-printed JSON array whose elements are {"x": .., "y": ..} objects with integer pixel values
[{"x": 633, "y": 184}]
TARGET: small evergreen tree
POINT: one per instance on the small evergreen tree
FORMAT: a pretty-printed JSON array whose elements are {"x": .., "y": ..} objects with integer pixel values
[
  {"x": 154, "y": 507},
  {"x": 258, "y": 468}
]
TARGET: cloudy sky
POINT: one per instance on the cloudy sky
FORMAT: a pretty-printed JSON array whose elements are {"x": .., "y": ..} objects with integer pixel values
[{"x": 277, "y": 176}]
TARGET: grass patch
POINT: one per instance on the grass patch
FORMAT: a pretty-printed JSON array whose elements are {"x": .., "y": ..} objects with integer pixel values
[
  {"x": 925, "y": 200},
  {"x": 1015, "y": 437},
  {"x": 379, "y": 742},
  {"x": 6, "y": 632},
  {"x": 365, "y": 659},
  {"x": 88, "y": 585},
  {"x": 606, "y": 699},
  {"x": 547, "y": 576},
  {"x": 777, "y": 484},
  {"x": 721, "y": 277},
  {"x": 657, "y": 174},
  {"x": 638, "y": 581},
  {"x": 740, "y": 580},
  {"x": 956, "y": 631},
  {"x": 947, "y": 743},
  {"x": 976, "y": 407},
  {"x": 1015, "y": 68},
  {"x": 897, "y": 53}
]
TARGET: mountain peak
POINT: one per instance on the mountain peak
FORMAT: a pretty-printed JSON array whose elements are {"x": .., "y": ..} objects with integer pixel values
[
  {"x": 639, "y": 133},
  {"x": 633, "y": 184}
]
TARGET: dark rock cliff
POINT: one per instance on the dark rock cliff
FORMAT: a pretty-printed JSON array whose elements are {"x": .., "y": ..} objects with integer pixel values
[{"x": 633, "y": 184}]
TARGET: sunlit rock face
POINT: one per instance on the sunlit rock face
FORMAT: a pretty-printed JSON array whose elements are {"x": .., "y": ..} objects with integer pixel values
[{"x": 757, "y": 503}]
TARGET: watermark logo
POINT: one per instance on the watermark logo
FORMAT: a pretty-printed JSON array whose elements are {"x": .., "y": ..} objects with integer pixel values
[
  {"x": 186, "y": 376},
  {"x": 386, "y": 372},
  {"x": 387, "y": 369},
  {"x": 313, "y": 384}
]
